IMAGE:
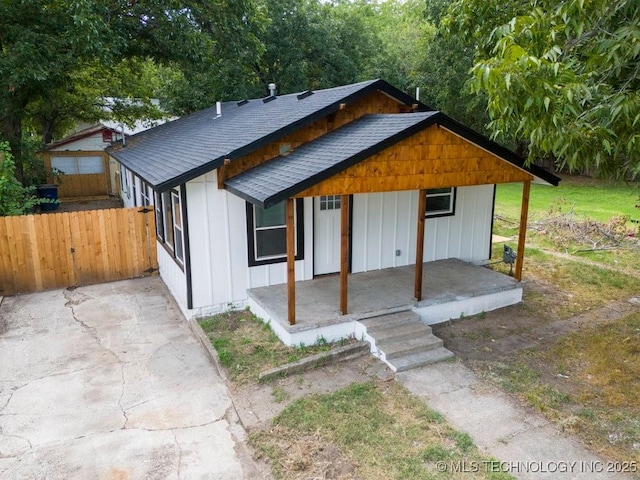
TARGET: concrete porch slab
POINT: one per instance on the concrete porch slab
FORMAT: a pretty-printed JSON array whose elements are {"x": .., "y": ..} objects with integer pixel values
[{"x": 451, "y": 288}]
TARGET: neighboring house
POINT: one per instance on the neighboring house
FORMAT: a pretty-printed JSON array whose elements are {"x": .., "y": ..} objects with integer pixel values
[
  {"x": 87, "y": 169},
  {"x": 288, "y": 188}
]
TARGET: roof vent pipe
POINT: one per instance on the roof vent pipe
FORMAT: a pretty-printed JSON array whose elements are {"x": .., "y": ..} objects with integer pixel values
[
  {"x": 418, "y": 93},
  {"x": 272, "y": 89},
  {"x": 124, "y": 138},
  {"x": 218, "y": 109}
]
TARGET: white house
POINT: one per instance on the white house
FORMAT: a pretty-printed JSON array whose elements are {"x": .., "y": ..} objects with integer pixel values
[{"x": 283, "y": 190}]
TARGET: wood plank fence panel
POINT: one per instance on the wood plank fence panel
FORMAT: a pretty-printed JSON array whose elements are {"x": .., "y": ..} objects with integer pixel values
[{"x": 54, "y": 250}]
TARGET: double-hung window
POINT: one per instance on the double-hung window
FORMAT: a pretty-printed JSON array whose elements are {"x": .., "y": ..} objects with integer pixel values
[
  {"x": 177, "y": 225},
  {"x": 441, "y": 202},
  {"x": 159, "y": 220},
  {"x": 169, "y": 225},
  {"x": 145, "y": 197},
  {"x": 267, "y": 232}
]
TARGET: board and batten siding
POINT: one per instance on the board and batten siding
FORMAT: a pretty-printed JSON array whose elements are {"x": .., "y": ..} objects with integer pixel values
[
  {"x": 384, "y": 223},
  {"x": 220, "y": 269}
]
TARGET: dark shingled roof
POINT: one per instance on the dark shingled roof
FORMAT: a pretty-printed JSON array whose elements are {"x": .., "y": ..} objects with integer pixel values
[
  {"x": 284, "y": 176},
  {"x": 178, "y": 151},
  {"x": 278, "y": 179}
]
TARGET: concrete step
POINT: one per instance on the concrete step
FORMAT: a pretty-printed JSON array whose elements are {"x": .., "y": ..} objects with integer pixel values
[
  {"x": 387, "y": 321},
  {"x": 420, "y": 359},
  {"x": 394, "y": 348},
  {"x": 405, "y": 340},
  {"x": 405, "y": 330}
]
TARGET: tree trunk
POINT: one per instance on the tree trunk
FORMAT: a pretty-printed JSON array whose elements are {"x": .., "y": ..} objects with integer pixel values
[
  {"x": 14, "y": 104},
  {"x": 12, "y": 132}
]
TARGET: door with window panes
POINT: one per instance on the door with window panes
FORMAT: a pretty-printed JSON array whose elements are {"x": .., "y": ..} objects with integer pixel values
[{"x": 326, "y": 232}]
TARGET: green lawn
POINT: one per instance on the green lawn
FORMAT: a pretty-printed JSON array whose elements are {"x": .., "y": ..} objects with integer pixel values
[{"x": 596, "y": 199}]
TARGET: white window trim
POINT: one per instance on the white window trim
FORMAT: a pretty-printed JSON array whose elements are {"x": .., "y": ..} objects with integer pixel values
[
  {"x": 445, "y": 212},
  {"x": 177, "y": 229},
  {"x": 273, "y": 227}
]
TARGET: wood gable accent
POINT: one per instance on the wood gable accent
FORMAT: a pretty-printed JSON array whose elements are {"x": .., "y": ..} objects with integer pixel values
[
  {"x": 432, "y": 158},
  {"x": 376, "y": 102}
]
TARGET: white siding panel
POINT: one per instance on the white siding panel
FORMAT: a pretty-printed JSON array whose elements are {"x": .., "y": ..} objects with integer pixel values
[
  {"x": 388, "y": 231},
  {"x": 237, "y": 246},
  {"x": 403, "y": 239},
  {"x": 173, "y": 277},
  {"x": 384, "y": 223},
  {"x": 218, "y": 242},
  {"x": 91, "y": 143},
  {"x": 201, "y": 266}
]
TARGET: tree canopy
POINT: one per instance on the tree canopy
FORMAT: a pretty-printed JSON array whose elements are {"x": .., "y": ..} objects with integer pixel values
[
  {"x": 561, "y": 76},
  {"x": 59, "y": 57},
  {"x": 557, "y": 79}
]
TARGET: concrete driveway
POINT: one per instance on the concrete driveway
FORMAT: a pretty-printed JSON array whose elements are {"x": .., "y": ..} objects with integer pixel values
[{"x": 107, "y": 381}]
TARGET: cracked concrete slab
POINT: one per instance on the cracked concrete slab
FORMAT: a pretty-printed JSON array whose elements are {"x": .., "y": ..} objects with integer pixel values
[
  {"x": 108, "y": 381},
  {"x": 518, "y": 437}
]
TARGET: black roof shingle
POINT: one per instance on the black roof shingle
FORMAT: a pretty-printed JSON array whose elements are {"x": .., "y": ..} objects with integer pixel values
[{"x": 178, "y": 151}]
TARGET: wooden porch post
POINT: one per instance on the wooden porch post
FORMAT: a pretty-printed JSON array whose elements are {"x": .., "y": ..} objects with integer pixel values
[
  {"x": 524, "y": 211},
  {"x": 422, "y": 211},
  {"x": 291, "y": 263},
  {"x": 344, "y": 251}
]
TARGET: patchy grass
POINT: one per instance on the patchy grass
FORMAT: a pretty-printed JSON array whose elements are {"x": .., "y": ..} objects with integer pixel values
[
  {"x": 247, "y": 346},
  {"x": 587, "y": 383},
  {"x": 578, "y": 286},
  {"x": 368, "y": 431}
]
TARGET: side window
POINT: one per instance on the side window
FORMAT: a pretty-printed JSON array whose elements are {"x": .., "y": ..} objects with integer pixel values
[
  {"x": 167, "y": 219},
  {"x": 267, "y": 233},
  {"x": 177, "y": 225},
  {"x": 145, "y": 195},
  {"x": 159, "y": 220},
  {"x": 169, "y": 222},
  {"x": 441, "y": 202}
]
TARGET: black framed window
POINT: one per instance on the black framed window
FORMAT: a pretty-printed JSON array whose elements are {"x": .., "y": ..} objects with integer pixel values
[
  {"x": 441, "y": 202},
  {"x": 267, "y": 233},
  {"x": 176, "y": 216},
  {"x": 167, "y": 219},
  {"x": 159, "y": 221},
  {"x": 169, "y": 223}
]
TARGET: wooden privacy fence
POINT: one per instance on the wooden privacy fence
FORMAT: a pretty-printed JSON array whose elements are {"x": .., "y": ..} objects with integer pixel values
[{"x": 40, "y": 252}]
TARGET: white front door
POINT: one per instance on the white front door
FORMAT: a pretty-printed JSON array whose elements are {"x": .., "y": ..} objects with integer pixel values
[{"x": 326, "y": 234}]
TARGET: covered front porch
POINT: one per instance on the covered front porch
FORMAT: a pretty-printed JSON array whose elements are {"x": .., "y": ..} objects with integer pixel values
[{"x": 450, "y": 288}]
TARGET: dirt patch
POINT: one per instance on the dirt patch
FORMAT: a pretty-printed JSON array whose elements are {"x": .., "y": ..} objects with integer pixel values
[{"x": 495, "y": 335}]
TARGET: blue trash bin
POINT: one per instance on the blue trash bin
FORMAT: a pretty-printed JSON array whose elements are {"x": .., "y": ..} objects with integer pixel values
[{"x": 50, "y": 192}]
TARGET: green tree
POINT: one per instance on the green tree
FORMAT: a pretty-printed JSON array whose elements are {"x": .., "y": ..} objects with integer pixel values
[
  {"x": 56, "y": 55},
  {"x": 15, "y": 199},
  {"x": 561, "y": 76}
]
